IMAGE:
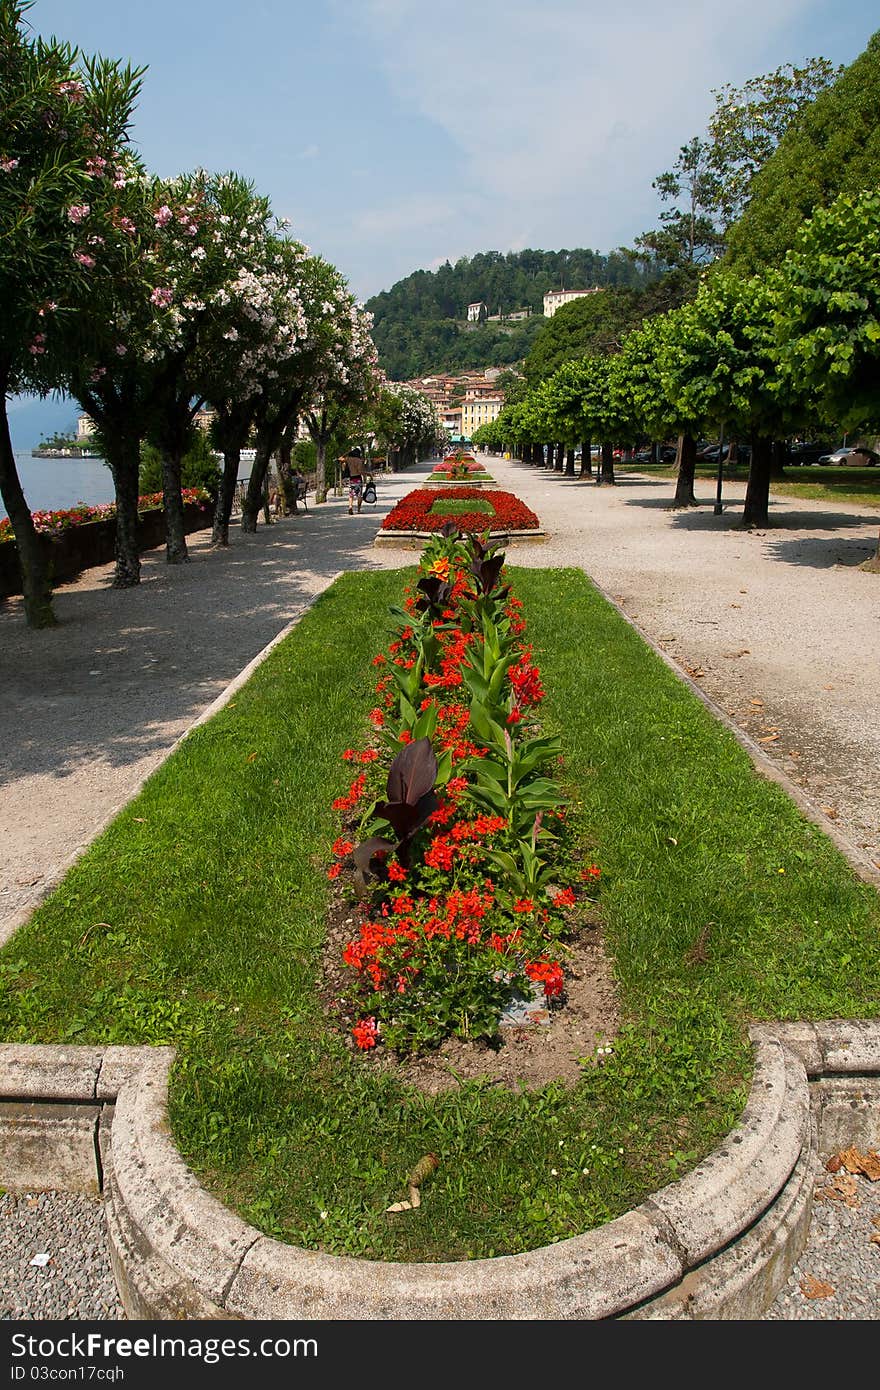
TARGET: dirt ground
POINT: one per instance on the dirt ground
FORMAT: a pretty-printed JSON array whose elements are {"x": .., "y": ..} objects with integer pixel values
[{"x": 555, "y": 1049}]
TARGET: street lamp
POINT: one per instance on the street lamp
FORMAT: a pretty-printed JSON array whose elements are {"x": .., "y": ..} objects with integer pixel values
[{"x": 718, "y": 509}]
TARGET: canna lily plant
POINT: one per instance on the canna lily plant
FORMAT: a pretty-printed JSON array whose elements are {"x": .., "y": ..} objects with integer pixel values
[{"x": 464, "y": 864}]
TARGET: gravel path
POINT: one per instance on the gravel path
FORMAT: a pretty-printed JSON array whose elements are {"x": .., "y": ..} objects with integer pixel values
[{"x": 780, "y": 627}]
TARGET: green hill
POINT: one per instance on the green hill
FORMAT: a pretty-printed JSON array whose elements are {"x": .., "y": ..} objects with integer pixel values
[{"x": 420, "y": 325}]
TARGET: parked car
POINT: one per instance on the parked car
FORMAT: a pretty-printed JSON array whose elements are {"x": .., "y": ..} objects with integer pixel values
[
  {"x": 803, "y": 453},
  {"x": 666, "y": 454},
  {"x": 853, "y": 456},
  {"x": 710, "y": 453}
]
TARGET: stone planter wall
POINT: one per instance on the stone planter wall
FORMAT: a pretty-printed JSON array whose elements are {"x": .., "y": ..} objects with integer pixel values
[{"x": 94, "y": 543}]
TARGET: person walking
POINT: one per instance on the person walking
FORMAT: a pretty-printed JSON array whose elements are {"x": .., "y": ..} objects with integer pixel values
[{"x": 353, "y": 469}]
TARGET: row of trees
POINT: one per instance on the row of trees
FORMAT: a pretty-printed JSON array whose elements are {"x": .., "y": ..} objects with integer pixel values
[
  {"x": 146, "y": 298},
  {"x": 763, "y": 317},
  {"x": 760, "y": 357}
]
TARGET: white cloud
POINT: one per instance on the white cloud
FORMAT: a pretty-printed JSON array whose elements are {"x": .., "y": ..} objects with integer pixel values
[
  {"x": 564, "y": 113},
  {"x": 309, "y": 152}
]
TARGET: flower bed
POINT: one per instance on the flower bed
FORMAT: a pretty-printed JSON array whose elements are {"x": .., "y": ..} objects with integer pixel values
[
  {"x": 460, "y": 468},
  {"x": 422, "y": 510},
  {"x": 454, "y": 841},
  {"x": 53, "y": 523}
]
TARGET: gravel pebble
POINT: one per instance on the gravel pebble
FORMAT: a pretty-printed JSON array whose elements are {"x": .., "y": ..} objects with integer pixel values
[
  {"x": 77, "y": 1281},
  {"x": 837, "y": 1277}
]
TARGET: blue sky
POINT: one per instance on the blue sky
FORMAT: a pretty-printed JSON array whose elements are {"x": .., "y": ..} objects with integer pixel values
[{"x": 395, "y": 133}]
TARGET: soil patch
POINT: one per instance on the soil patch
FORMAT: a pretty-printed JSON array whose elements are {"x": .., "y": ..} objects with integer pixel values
[{"x": 587, "y": 1017}]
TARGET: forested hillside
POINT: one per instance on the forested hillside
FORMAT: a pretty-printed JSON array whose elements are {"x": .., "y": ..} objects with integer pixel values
[{"x": 420, "y": 324}]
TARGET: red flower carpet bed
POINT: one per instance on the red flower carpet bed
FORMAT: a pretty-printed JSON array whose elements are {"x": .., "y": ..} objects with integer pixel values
[
  {"x": 416, "y": 512},
  {"x": 455, "y": 853}
]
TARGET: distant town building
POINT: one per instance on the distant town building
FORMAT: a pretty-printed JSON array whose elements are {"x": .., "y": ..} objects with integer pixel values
[
  {"x": 477, "y": 410},
  {"x": 477, "y": 312},
  {"x": 85, "y": 427},
  {"x": 554, "y": 299},
  {"x": 502, "y": 317},
  {"x": 463, "y": 400}
]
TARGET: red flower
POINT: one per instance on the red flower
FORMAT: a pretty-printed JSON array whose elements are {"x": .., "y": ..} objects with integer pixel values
[
  {"x": 591, "y": 871},
  {"x": 523, "y": 905},
  {"x": 366, "y": 1033},
  {"x": 396, "y": 873},
  {"x": 565, "y": 898},
  {"x": 334, "y": 871},
  {"x": 549, "y": 973}
]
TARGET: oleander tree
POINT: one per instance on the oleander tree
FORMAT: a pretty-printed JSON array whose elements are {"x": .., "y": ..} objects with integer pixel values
[
  {"x": 829, "y": 313},
  {"x": 312, "y": 295},
  {"x": 217, "y": 229},
  {"x": 63, "y": 118},
  {"x": 418, "y": 425},
  {"x": 345, "y": 382},
  {"x": 255, "y": 328},
  {"x": 114, "y": 346}
]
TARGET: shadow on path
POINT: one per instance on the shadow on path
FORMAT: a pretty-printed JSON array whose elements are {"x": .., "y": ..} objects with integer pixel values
[{"x": 127, "y": 668}]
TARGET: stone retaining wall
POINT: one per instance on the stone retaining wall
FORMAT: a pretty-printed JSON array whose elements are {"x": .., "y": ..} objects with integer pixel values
[
  {"x": 717, "y": 1244},
  {"x": 83, "y": 547}
]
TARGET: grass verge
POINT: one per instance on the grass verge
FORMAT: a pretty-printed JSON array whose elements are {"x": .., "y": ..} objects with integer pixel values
[
  {"x": 197, "y": 919},
  {"x": 855, "y": 486}
]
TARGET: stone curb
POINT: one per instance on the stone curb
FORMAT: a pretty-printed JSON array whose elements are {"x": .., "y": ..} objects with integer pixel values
[
  {"x": 415, "y": 540},
  {"x": 719, "y": 1243}
]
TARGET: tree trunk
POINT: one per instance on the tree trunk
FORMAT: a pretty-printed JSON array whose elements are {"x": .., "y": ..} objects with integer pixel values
[
  {"x": 569, "y": 463},
  {"x": 176, "y": 552},
  {"x": 225, "y": 496},
  {"x": 606, "y": 471},
  {"x": 321, "y": 469},
  {"x": 35, "y": 581},
  {"x": 254, "y": 497},
  {"x": 124, "y": 458},
  {"x": 586, "y": 459},
  {"x": 284, "y": 468},
  {"x": 755, "y": 512},
  {"x": 559, "y": 463},
  {"x": 687, "y": 463}
]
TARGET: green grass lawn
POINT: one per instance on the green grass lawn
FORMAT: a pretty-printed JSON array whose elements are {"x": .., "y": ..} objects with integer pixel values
[
  {"x": 197, "y": 919},
  {"x": 459, "y": 506},
  {"x": 859, "y": 486}
]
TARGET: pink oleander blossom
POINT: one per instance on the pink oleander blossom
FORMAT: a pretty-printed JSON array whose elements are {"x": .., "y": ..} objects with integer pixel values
[
  {"x": 85, "y": 259},
  {"x": 7, "y": 165},
  {"x": 161, "y": 297},
  {"x": 78, "y": 212},
  {"x": 163, "y": 216}
]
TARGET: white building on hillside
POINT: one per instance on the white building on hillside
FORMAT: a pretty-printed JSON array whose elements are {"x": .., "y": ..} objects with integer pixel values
[{"x": 554, "y": 299}]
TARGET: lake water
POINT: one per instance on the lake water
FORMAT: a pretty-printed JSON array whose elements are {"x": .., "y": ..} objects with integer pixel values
[
  {"x": 52, "y": 485},
  {"x": 55, "y": 484}
]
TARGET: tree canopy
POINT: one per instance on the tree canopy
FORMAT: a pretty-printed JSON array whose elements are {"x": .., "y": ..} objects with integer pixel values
[{"x": 831, "y": 147}]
